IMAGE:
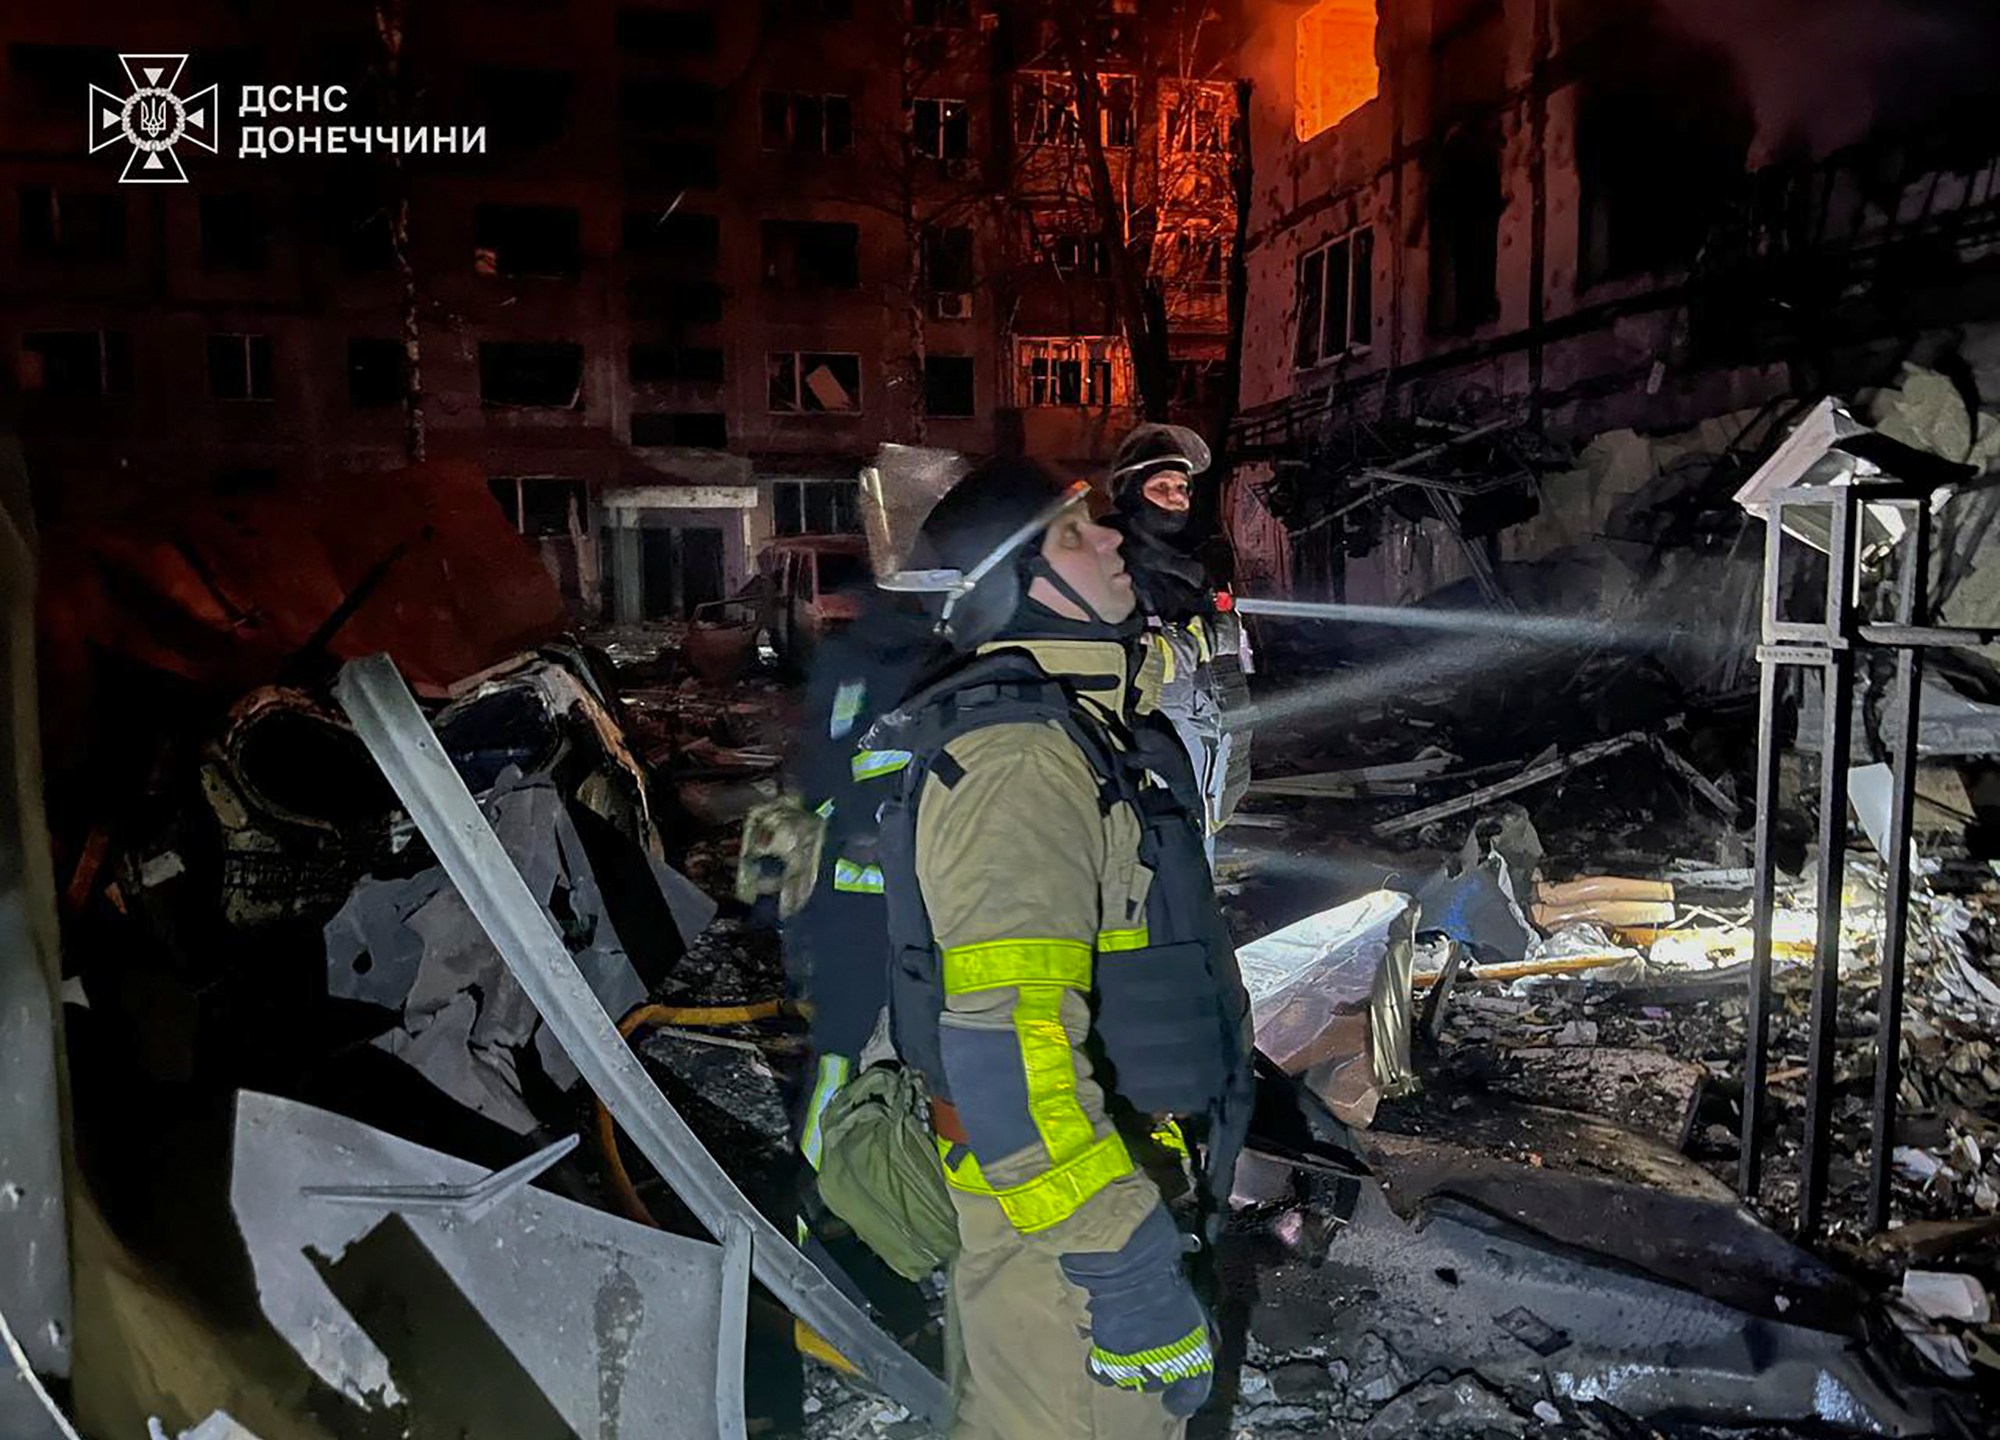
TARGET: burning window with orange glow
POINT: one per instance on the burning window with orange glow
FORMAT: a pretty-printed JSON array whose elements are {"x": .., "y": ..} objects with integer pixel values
[{"x": 1336, "y": 68}]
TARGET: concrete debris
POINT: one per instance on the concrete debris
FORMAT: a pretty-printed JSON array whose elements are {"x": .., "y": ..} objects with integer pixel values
[
  {"x": 1330, "y": 998},
  {"x": 1937, "y": 1295},
  {"x": 1459, "y": 1409}
]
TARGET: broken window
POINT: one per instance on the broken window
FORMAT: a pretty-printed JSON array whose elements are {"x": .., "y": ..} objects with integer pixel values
[
  {"x": 1079, "y": 254},
  {"x": 1202, "y": 120},
  {"x": 531, "y": 373},
  {"x": 666, "y": 104},
  {"x": 1045, "y": 110},
  {"x": 69, "y": 364},
  {"x": 375, "y": 372},
  {"x": 1086, "y": 371},
  {"x": 1465, "y": 206},
  {"x": 812, "y": 383},
  {"x": 539, "y": 505},
  {"x": 1197, "y": 257},
  {"x": 698, "y": 429},
  {"x": 666, "y": 34},
  {"x": 947, "y": 257},
  {"x": 239, "y": 367},
  {"x": 673, "y": 234},
  {"x": 72, "y": 224},
  {"x": 1335, "y": 72},
  {"x": 57, "y": 78},
  {"x": 948, "y": 386},
  {"x": 808, "y": 124},
  {"x": 658, "y": 364},
  {"x": 942, "y": 14},
  {"x": 812, "y": 254},
  {"x": 942, "y": 129},
  {"x": 816, "y": 507},
  {"x": 235, "y": 233},
  {"x": 1659, "y": 157},
  {"x": 1335, "y": 289},
  {"x": 1199, "y": 384},
  {"x": 523, "y": 109},
  {"x": 543, "y": 240}
]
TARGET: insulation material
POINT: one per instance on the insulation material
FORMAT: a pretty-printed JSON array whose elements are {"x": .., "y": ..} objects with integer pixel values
[{"x": 1330, "y": 998}]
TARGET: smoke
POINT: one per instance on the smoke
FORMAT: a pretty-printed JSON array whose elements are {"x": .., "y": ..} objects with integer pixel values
[{"x": 1821, "y": 74}]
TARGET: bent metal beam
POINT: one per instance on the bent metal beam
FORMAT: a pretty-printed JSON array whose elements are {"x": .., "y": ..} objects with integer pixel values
[{"x": 402, "y": 743}]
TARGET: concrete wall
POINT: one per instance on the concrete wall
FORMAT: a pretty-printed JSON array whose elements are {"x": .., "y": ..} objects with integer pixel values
[{"x": 1579, "y": 353}]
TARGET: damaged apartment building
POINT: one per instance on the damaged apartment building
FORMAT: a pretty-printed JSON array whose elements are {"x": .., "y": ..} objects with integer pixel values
[
  {"x": 711, "y": 257},
  {"x": 1521, "y": 270}
]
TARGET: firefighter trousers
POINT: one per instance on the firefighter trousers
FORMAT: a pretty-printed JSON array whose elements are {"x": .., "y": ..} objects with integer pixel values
[{"x": 1023, "y": 1333}]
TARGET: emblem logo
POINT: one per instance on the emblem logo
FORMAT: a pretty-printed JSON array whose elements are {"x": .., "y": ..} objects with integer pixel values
[{"x": 152, "y": 119}]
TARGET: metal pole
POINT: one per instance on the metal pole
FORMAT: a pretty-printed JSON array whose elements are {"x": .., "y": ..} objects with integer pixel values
[
  {"x": 1763, "y": 888},
  {"x": 1911, "y": 603},
  {"x": 1749, "y": 1165},
  {"x": 1839, "y": 696}
]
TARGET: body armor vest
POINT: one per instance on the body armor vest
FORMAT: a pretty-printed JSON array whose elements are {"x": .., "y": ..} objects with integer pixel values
[{"x": 1170, "y": 1031}]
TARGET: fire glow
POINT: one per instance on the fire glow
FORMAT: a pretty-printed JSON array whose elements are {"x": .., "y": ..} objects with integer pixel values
[{"x": 1336, "y": 72}]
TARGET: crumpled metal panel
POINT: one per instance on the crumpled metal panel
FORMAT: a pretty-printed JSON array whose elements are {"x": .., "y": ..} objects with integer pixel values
[{"x": 616, "y": 1324}]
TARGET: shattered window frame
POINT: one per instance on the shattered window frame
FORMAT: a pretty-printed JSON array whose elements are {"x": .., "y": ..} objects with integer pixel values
[
  {"x": 245, "y": 359},
  {"x": 512, "y": 494},
  {"x": 949, "y": 259},
  {"x": 1200, "y": 119},
  {"x": 59, "y": 355},
  {"x": 811, "y": 255},
  {"x": 543, "y": 242},
  {"x": 1070, "y": 372},
  {"x": 505, "y": 366},
  {"x": 790, "y": 392},
  {"x": 810, "y": 506},
  {"x": 947, "y": 378},
  {"x": 1045, "y": 111},
  {"x": 1315, "y": 318},
  {"x": 800, "y": 122},
  {"x": 946, "y": 133},
  {"x": 1080, "y": 252}
]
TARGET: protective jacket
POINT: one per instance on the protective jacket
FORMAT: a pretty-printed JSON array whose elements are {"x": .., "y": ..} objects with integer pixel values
[
  {"x": 1196, "y": 670},
  {"x": 1060, "y": 972}
]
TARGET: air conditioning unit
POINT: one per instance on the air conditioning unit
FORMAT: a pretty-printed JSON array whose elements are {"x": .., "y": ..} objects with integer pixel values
[{"x": 954, "y": 305}]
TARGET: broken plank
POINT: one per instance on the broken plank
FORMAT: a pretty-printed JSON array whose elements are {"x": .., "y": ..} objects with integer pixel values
[
  {"x": 1696, "y": 781},
  {"x": 1527, "y": 779}
]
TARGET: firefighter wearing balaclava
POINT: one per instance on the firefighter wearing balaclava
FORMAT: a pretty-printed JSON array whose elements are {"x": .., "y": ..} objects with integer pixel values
[
  {"x": 1061, "y": 976},
  {"x": 1196, "y": 653}
]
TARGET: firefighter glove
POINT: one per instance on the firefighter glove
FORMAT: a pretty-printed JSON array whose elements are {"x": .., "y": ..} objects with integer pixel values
[{"x": 1147, "y": 1330}]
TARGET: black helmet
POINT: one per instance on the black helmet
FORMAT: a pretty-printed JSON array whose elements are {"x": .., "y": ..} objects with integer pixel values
[
  {"x": 1149, "y": 449},
  {"x": 973, "y": 548}
]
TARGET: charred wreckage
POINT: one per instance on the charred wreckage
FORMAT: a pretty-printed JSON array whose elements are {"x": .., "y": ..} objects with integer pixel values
[{"x": 400, "y": 1073}]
